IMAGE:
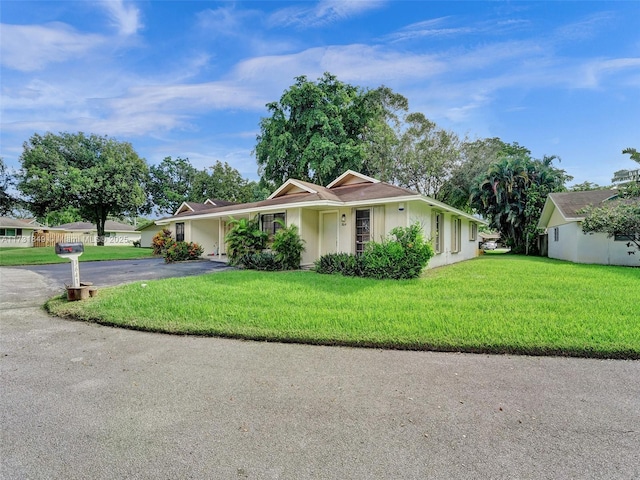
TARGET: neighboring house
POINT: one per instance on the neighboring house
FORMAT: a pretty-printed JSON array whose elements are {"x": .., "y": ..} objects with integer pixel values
[
  {"x": 149, "y": 231},
  {"x": 562, "y": 223},
  {"x": 341, "y": 217},
  {"x": 16, "y": 232},
  {"x": 115, "y": 233}
]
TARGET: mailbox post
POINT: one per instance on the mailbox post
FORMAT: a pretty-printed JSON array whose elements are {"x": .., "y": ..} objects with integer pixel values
[{"x": 71, "y": 251}]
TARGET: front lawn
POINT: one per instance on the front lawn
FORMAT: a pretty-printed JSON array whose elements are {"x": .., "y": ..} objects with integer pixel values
[
  {"x": 498, "y": 304},
  {"x": 10, "y": 257}
]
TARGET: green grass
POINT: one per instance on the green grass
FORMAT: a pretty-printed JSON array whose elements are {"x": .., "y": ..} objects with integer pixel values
[
  {"x": 10, "y": 257},
  {"x": 497, "y": 304}
]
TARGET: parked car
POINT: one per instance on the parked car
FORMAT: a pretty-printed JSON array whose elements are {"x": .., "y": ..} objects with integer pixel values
[{"x": 489, "y": 245}]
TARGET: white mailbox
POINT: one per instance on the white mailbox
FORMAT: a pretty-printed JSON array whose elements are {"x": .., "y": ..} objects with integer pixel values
[{"x": 72, "y": 251}]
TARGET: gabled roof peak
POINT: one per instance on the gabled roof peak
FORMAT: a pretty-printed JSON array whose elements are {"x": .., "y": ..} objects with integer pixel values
[
  {"x": 294, "y": 186},
  {"x": 351, "y": 178}
]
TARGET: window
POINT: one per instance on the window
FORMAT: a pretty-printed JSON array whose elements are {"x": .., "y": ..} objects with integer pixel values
[
  {"x": 363, "y": 229},
  {"x": 7, "y": 232},
  {"x": 438, "y": 232},
  {"x": 618, "y": 237},
  {"x": 269, "y": 223},
  {"x": 456, "y": 234},
  {"x": 473, "y": 232},
  {"x": 180, "y": 232},
  {"x": 556, "y": 234}
]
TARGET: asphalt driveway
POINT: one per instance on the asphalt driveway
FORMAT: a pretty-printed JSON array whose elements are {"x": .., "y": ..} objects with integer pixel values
[
  {"x": 115, "y": 272},
  {"x": 83, "y": 401}
]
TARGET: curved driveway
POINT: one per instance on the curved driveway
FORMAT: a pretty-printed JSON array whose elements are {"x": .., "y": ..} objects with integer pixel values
[{"x": 83, "y": 401}]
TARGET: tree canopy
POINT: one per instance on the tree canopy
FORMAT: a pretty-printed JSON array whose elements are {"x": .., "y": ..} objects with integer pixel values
[
  {"x": 426, "y": 156},
  {"x": 512, "y": 193},
  {"x": 616, "y": 218},
  {"x": 635, "y": 155},
  {"x": 223, "y": 181},
  {"x": 619, "y": 216},
  {"x": 171, "y": 183},
  {"x": 316, "y": 131},
  {"x": 99, "y": 176},
  {"x": 7, "y": 201}
]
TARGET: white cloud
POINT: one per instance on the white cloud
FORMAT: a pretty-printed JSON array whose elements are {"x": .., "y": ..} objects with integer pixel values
[
  {"x": 29, "y": 48},
  {"x": 225, "y": 20},
  {"x": 594, "y": 72},
  {"x": 125, "y": 18},
  {"x": 323, "y": 13}
]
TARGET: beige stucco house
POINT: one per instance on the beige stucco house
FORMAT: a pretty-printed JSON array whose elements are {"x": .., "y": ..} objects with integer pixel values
[
  {"x": 562, "y": 222},
  {"x": 341, "y": 217},
  {"x": 116, "y": 233},
  {"x": 149, "y": 231},
  {"x": 17, "y": 232}
]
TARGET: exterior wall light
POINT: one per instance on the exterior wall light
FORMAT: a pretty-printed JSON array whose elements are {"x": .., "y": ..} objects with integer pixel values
[
  {"x": 401, "y": 207},
  {"x": 343, "y": 219}
]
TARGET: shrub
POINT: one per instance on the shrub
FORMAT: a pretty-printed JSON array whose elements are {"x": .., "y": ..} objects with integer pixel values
[
  {"x": 346, "y": 264},
  {"x": 260, "y": 261},
  {"x": 181, "y": 251},
  {"x": 245, "y": 238},
  {"x": 401, "y": 257},
  {"x": 288, "y": 247},
  {"x": 160, "y": 241}
]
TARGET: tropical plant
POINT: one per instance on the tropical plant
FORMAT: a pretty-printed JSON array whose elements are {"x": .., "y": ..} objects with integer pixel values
[
  {"x": 287, "y": 246},
  {"x": 161, "y": 241},
  {"x": 245, "y": 238},
  {"x": 511, "y": 195},
  {"x": 182, "y": 251}
]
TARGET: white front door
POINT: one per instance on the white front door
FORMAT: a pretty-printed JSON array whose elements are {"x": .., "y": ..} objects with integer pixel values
[{"x": 329, "y": 239}]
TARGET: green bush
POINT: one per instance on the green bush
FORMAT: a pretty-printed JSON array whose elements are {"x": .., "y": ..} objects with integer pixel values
[
  {"x": 161, "y": 240},
  {"x": 288, "y": 247},
  {"x": 245, "y": 238},
  {"x": 346, "y": 264},
  {"x": 266, "y": 261},
  {"x": 401, "y": 257},
  {"x": 181, "y": 251}
]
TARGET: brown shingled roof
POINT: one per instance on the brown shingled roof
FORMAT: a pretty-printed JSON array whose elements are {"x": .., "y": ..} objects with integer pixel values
[{"x": 570, "y": 203}]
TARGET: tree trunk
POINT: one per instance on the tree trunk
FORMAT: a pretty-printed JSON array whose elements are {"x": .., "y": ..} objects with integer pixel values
[{"x": 101, "y": 219}]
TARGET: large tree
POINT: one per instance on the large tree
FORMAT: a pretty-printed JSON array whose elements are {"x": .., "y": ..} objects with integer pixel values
[
  {"x": 224, "y": 182},
  {"x": 382, "y": 138},
  {"x": 316, "y": 131},
  {"x": 99, "y": 176},
  {"x": 511, "y": 194},
  {"x": 426, "y": 156},
  {"x": 171, "y": 183},
  {"x": 7, "y": 201},
  {"x": 476, "y": 156}
]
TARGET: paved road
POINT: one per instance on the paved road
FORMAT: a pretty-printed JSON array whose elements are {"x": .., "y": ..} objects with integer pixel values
[{"x": 83, "y": 401}]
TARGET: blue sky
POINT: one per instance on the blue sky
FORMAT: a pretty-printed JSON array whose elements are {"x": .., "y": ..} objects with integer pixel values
[{"x": 191, "y": 79}]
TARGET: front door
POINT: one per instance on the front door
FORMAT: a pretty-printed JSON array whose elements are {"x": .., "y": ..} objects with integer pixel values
[{"x": 329, "y": 242}]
